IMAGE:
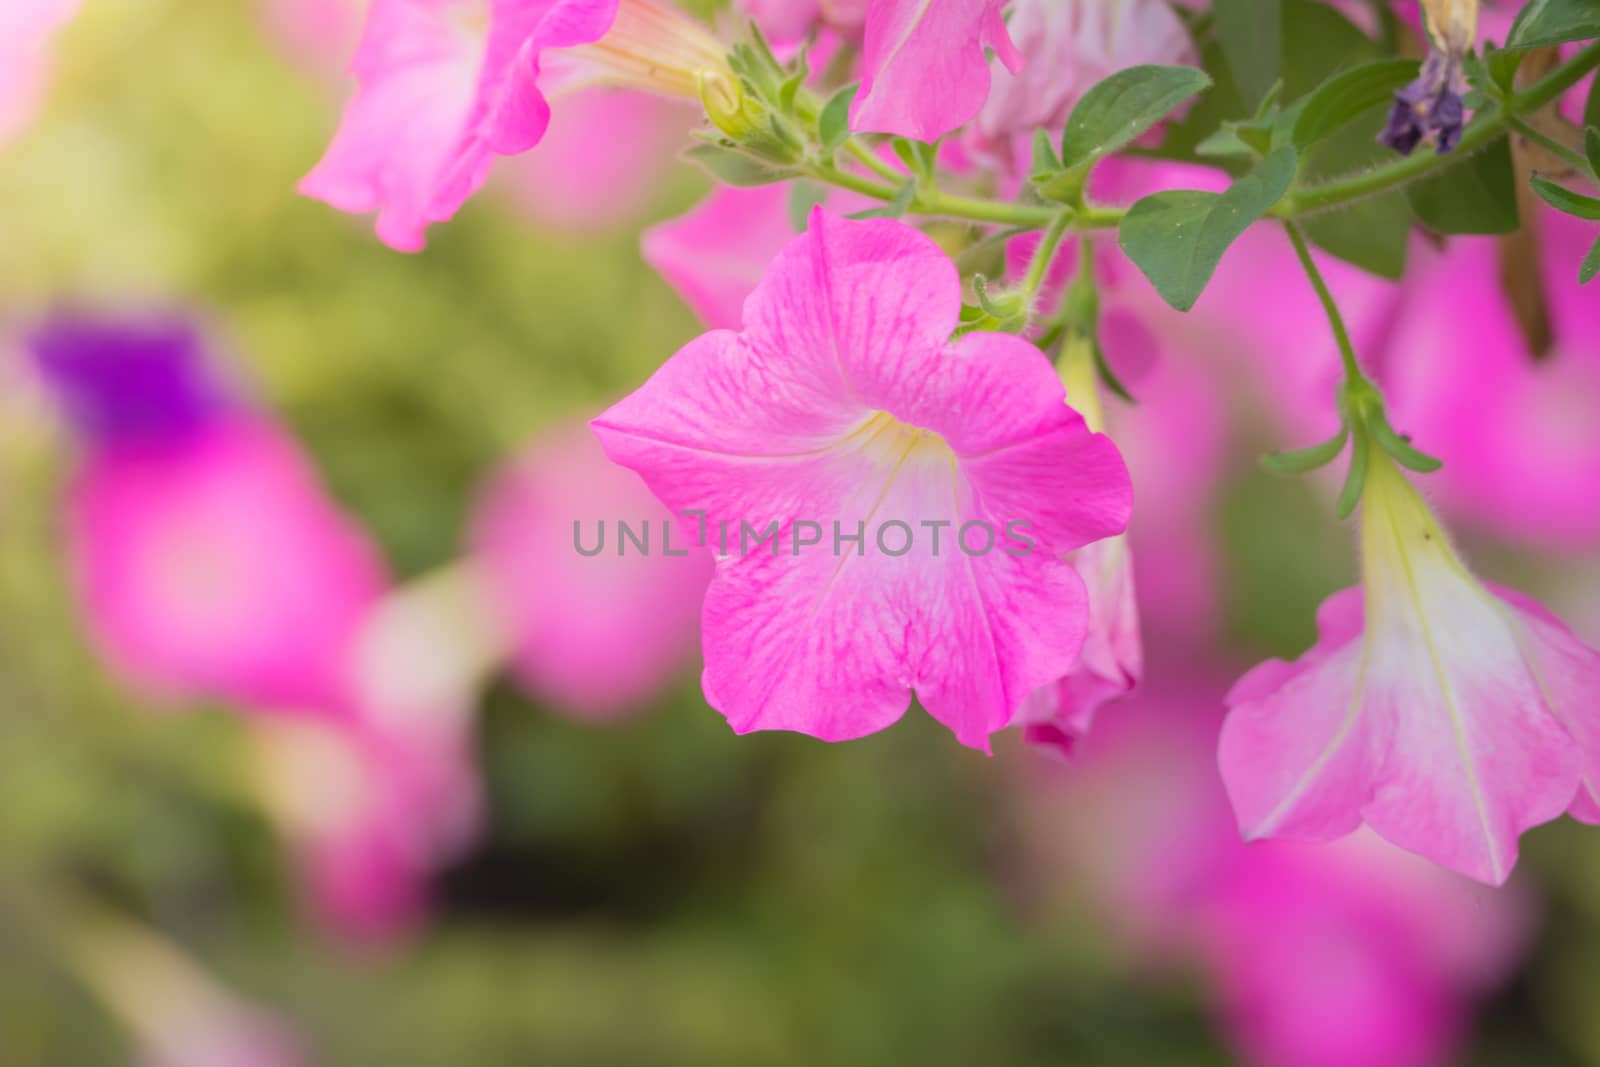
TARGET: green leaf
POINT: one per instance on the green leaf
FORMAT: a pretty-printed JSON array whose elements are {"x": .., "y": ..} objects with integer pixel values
[
  {"x": 1251, "y": 33},
  {"x": 1565, "y": 200},
  {"x": 1547, "y": 22},
  {"x": 1178, "y": 238},
  {"x": 1476, "y": 195},
  {"x": 1591, "y": 145},
  {"x": 1302, "y": 460},
  {"x": 803, "y": 196},
  {"x": 1502, "y": 65},
  {"x": 1591, "y": 109},
  {"x": 1347, "y": 96},
  {"x": 1591, "y": 265},
  {"x": 1046, "y": 164},
  {"x": 918, "y": 156},
  {"x": 1122, "y": 107},
  {"x": 736, "y": 168},
  {"x": 1225, "y": 142},
  {"x": 894, "y": 208},
  {"x": 833, "y": 124}
]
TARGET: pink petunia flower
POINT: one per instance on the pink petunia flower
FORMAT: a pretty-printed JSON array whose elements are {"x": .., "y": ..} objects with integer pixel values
[
  {"x": 596, "y": 624},
  {"x": 1447, "y": 715},
  {"x": 445, "y": 86},
  {"x": 890, "y": 508},
  {"x": 1068, "y": 46},
  {"x": 26, "y": 29},
  {"x": 924, "y": 71},
  {"x": 209, "y": 559}
]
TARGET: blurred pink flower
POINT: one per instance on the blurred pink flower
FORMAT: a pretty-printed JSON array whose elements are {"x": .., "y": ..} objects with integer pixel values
[
  {"x": 318, "y": 33},
  {"x": 220, "y": 569},
  {"x": 602, "y": 162},
  {"x": 26, "y": 29},
  {"x": 924, "y": 71},
  {"x": 787, "y": 22},
  {"x": 370, "y": 806},
  {"x": 1068, "y": 46},
  {"x": 208, "y": 557},
  {"x": 1317, "y": 955},
  {"x": 1515, "y": 427},
  {"x": 445, "y": 86},
  {"x": 594, "y": 635},
  {"x": 715, "y": 255},
  {"x": 1446, "y": 715},
  {"x": 829, "y": 412}
]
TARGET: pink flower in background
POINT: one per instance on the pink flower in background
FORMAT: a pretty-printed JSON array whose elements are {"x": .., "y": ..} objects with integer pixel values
[
  {"x": 843, "y": 405},
  {"x": 26, "y": 29},
  {"x": 1446, "y": 715},
  {"x": 924, "y": 72},
  {"x": 582, "y": 180},
  {"x": 715, "y": 255},
  {"x": 445, "y": 86},
  {"x": 1068, "y": 46},
  {"x": 787, "y": 22},
  {"x": 371, "y": 807},
  {"x": 1315, "y": 955},
  {"x": 1515, "y": 427},
  {"x": 209, "y": 559},
  {"x": 319, "y": 33},
  {"x": 601, "y": 634}
]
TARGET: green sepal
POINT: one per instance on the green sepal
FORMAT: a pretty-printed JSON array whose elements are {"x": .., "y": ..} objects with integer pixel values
[
  {"x": 1356, "y": 480},
  {"x": 1305, "y": 460},
  {"x": 1399, "y": 448}
]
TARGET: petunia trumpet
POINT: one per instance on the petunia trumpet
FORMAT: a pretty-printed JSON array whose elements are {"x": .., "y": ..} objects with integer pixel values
[
  {"x": 1446, "y": 714},
  {"x": 445, "y": 86},
  {"x": 889, "y": 507}
]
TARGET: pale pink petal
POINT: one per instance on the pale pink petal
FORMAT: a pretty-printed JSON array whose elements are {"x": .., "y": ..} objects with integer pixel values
[
  {"x": 1440, "y": 740},
  {"x": 924, "y": 68}
]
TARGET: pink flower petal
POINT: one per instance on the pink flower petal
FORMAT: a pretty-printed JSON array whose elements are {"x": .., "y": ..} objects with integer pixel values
[{"x": 924, "y": 68}]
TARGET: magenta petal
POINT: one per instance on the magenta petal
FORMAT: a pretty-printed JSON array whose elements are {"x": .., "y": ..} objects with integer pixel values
[
  {"x": 924, "y": 68},
  {"x": 219, "y": 569}
]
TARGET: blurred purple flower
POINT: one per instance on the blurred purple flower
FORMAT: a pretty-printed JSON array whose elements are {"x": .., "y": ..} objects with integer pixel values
[{"x": 209, "y": 560}]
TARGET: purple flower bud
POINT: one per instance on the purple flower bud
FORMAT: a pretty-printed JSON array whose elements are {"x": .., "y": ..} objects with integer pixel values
[
  {"x": 126, "y": 380},
  {"x": 1429, "y": 110}
]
